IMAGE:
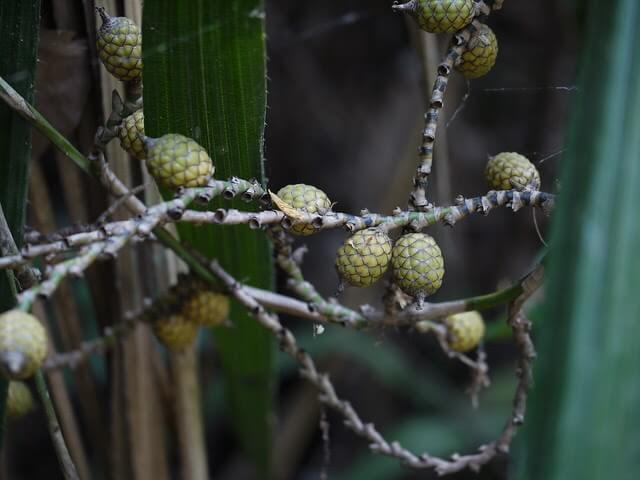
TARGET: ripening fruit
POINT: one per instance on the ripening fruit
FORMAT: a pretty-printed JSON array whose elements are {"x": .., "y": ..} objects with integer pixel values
[
  {"x": 120, "y": 47},
  {"x": 177, "y": 161},
  {"x": 307, "y": 198},
  {"x": 439, "y": 16},
  {"x": 464, "y": 330},
  {"x": 480, "y": 54},
  {"x": 19, "y": 400},
  {"x": 510, "y": 170},
  {"x": 131, "y": 134},
  {"x": 417, "y": 264},
  {"x": 175, "y": 331},
  {"x": 23, "y": 344},
  {"x": 364, "y": 257},
  {"x": 206, "y": 308}
]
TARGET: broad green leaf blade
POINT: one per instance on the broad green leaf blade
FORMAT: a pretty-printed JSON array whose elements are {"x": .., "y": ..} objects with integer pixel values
[
  {"x": 19, "y": 27},
  {"x": 205, "y": 77},
  {"x": 584, "y": 418}
]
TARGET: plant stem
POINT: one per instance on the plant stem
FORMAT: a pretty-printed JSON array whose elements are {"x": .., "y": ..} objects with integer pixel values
[
  {"x": 35, "y": 118},
  {"x": 193, "y": 450},
  {"x": 68, "y": 468}
]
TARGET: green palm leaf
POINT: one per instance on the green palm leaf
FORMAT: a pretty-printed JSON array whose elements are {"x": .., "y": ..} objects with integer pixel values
[
  {"x": 19, "y": 26},
  {"x": 204, "y": 77},
  {"x": 584, "y": 419}
]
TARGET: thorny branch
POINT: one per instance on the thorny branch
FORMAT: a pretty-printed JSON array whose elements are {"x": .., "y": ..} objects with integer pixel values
[
  {"x": 111, "y": 237},
  {"x": 250, "y": 190},
  {"x": 378, "y": 443}
]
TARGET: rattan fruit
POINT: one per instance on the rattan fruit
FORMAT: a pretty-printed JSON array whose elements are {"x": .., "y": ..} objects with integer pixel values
[
  {"x": 464, "y": 331},
  {"x": 119, "y": 45},
  {"x": 23, "y": 344},
  {"x": 439, "y": 16},
  {"x": 19, "y": 400},
  {"x": 308, "y": 199},
  {"x": 364, "y": 257},
  {"x": 480, "y": 54},
  {"x": 206, "y": 308},
  {"x": 177, "y": 161},
  {"x": 510, "y": 170},
  {"x": 131, "y": 134},
  {"x": 417, "y": 264},
  {"x": 175, "y": 331}
]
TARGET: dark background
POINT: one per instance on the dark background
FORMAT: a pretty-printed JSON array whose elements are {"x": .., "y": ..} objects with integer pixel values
[{"x": 346, "y": 95}]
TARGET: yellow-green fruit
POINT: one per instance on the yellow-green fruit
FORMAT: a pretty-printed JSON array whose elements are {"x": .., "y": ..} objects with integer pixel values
[
  {"x": 464, "y": 330},
  {"x": 19, "y": 400},
  {"x": 177, "y": 161},
  {"x": 417, "y": 264},
  {"x": 480, "y": 54},
  {"x": 206, "y": 308},
  {"x": 120, "y": 47},
  {"x": 131, "y": 134},
  {"x": 23, "y": 344},
  {"x": 307, "y": 198},
  {"x": 363, "y": 258},
  {"x": 440, "y": 16},
  {"x": 175, "y": 331},
  {"x": 510, "y": 170}
]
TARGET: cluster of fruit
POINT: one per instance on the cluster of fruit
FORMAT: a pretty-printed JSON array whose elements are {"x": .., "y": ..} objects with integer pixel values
[
  {"x": 177, "y": 317},
  {"x": 450, "y": 16},
  {"x": 415, "y": 258},
  {"x": 173, "y": 160}
]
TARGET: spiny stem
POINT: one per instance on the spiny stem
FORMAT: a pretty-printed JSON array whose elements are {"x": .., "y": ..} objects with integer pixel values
[{"x": 66, "y": 463}]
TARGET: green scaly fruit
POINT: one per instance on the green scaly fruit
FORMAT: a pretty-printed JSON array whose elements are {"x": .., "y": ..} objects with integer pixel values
[
  {"x": 364, "y": 257},
  {"x": 206, "y": 308},
  {"x": 19, "y": 400},
  {"x": 439, "y": 16},
  {"x": 464, "y": 331},
  {"x": 175, "y": 331},
  {"x": 119, "y": 45},
  {"x": 23, "y": 344},
  {"x": 480, "y": 54},
  {"x": 510, "y": 170},
  {"x": 177, "y": 161},
  {"x": 308, "y": 199},
  {"x": 417, "y": 264},
  {"x": 131, "y": 134}
]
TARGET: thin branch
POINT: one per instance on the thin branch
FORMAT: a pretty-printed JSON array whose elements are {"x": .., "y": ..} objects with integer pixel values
[
  {"x": 250, "y": 190},
  {"x": 66, "y": 463},
  {"x": 418, "y": 197},
  {"x": 377, "y": 443}
]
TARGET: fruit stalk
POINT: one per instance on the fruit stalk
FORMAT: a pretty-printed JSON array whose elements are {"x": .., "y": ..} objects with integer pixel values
[{"x": 67, "y": 465}]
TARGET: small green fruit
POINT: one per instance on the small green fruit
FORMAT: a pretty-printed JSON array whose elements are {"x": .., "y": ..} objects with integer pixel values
[
  {"x": 308, "y": 199},
  {"x": 119, "y": 45},
  {"x": 364, "y": 257},
  {"x": 19, "y": 400},
  {"x": 480, "y": 55},
  {"x": 131, "y": 134},
  {"x": 23, "y": 344},
  {"x": 206, "y": 308},
  {"x": 439, "y": 16},
  {"x": 175, "y": 331},
  {"x": 464, "y": 330},
  {"x": 510, "y": 170},
  {"x": 417, "y": 264},
  {"x": 177, "y": 161}
]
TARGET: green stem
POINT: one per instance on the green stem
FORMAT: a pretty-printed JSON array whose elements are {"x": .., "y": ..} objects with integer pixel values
[
  {"x": 35, "y": 118},
  {"x": 68, "y": 468},
  {"x": 490, "y": 300}
]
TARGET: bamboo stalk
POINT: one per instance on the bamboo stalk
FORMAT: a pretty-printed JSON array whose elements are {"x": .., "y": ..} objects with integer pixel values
[{"x": 191, "y": 436}]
